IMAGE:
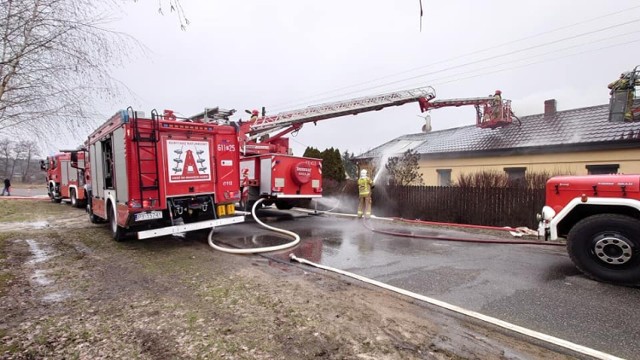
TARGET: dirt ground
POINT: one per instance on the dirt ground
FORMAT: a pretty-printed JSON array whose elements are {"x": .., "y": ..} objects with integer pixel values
[{"x": 68, "y": 291}]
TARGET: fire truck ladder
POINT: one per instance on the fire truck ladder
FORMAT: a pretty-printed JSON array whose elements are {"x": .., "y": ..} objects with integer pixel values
[
  {"x": 315, "y": 113},
  {"x": 146, "y": 140}
]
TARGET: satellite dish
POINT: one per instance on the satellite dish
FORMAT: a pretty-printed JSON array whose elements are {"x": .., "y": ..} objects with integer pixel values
[{"x": 427, "y": 123}]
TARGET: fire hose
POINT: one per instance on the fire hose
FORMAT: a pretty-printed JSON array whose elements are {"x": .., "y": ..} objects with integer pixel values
[
  {"x": 497, "y": 322},
  {"x": 445, "y": 238},
  {"x": 472, "y": 314},
  {"x": 296, "y": 237}
]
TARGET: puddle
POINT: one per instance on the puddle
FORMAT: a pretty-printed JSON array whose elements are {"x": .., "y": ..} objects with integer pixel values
[
  {"x": 56, "y": 296},
  {"x": 39, "y": 254},
  {"x": 40, "y": 278},
  {"x": 38, "y": 224}
]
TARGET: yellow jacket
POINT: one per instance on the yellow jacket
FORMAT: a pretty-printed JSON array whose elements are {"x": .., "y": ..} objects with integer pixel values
[{"x": 364, "y": 186}]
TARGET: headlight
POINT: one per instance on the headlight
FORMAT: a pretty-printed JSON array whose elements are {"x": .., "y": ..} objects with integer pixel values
[{"x": 548, "y": 213}]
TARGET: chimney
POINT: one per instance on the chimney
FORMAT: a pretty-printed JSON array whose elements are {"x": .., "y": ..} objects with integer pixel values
[{"x": 550, "y": 108}]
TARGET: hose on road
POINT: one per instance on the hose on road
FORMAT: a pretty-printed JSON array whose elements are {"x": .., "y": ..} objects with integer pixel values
[
  {"x": 296, "y": 237},
  {"x": 488, "y": 319},
  {"x": 366, "y": 224}
]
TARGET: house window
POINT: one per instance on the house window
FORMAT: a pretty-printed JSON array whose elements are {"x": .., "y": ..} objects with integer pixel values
[
  {"x": 444, "y": 177},
  {"x": 603, "y": 169},
  {"x": 515, "y": 174}
]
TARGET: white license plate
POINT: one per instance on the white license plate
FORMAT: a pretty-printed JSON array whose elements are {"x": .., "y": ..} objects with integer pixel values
[{"x": 150, "y": 215}]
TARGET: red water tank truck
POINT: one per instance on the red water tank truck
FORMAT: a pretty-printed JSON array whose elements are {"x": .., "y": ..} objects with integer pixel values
[{"x": 65, "y": 178}]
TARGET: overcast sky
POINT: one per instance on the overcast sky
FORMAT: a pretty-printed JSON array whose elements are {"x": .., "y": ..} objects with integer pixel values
[{"x": 288, "y": 54}]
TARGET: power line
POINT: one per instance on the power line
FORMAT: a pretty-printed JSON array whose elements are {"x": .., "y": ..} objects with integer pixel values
[
  {"x": 541, "y": 61},
  {"x": 299, "y": 100},
  {"x": 538, "y": 55},
  {"x": 480, "y": 60}
]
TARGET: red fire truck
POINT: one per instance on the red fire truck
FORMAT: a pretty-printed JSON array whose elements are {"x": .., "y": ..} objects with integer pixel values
[
  {"x": 65, "y": 177},
  {"x": 159, "y": 176},
  {"x": 600, "y": 217},
  {"x": 268, "y": 170}
]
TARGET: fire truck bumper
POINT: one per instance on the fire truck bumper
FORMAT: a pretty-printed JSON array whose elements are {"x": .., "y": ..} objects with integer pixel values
[{"x": 170, "y": 230}]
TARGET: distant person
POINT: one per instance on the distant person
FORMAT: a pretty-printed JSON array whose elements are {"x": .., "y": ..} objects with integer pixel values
[
  {"x": 365, "y": 185},
  {"x": 7, "y": 187}
]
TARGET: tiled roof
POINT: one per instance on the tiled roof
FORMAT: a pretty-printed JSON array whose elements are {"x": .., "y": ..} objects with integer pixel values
[{"x": 583, "y": 126}]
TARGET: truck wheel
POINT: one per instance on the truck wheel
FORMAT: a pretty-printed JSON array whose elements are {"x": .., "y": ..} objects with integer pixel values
[
  {"x": 606, "y": 247},
  {"x": 117, "y": 232},
  {"x": 52, "y": 195},
  {"x": 74, "y": 198},
  {"x": 92, "y": 217}
]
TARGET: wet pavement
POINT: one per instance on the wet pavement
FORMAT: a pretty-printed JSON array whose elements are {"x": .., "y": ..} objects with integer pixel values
[
  {"x": 29, "y": 192},
  {"x": 533, "y": 286}
]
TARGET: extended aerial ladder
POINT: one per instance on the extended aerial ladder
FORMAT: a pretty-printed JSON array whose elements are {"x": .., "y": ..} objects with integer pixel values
[
  {"x": 255, "y": 134},
  {"x": 268, "y": 169}
]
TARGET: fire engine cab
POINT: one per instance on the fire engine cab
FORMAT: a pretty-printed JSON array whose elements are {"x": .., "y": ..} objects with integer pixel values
[
  {"x": 600, "y": 217},
  {"x": 65, "y": 177},
  {"x": 162, "y": 175}
]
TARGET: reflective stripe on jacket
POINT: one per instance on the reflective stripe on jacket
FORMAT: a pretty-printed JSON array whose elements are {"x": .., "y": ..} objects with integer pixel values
[{"x": 364, "y": 186}]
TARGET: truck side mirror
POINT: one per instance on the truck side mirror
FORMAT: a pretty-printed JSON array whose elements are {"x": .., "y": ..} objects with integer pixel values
[
  {"x": 43, "y": 165},
  {"x": 74, "y": 159}
]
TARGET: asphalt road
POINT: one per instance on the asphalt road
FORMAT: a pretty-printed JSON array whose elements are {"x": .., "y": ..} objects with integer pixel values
[{"x": 536, "y": 287}]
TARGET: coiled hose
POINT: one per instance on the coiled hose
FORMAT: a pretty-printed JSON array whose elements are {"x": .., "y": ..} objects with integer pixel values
[{"x": 296, "y": 237}]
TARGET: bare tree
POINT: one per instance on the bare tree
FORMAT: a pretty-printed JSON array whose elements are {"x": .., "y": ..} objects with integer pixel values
[
  {"x": 6, "y": 146},
  {"x": 55, "y": 60},
  {"x": 18, "y": 153},
  {"x": 174, "y": 6},
  {"x": 404, "y": 170},
  {"x": 27, "y": 149}
]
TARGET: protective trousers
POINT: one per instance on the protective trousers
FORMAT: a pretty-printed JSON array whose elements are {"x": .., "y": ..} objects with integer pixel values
[
  {"x": 364, "y": 204},
  {"x": 628, "y": 114}
]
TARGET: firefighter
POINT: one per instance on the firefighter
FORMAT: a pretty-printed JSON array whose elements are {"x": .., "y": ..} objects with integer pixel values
[
  {"x": 365, "y": 185},
  {"x": 254, "y": 115},
  {"x": 496, "y": 105},
  {"x": 620, "y": 87}
]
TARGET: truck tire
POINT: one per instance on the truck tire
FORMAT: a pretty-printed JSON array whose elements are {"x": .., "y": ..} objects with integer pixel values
[
  {"x": 74, "y": 198},
  {"x": 117, "y": 232},
  {"x": 92, "y": 217},
  {"x": 52, "y": 195},
  {"x": 606, "y": 247}
]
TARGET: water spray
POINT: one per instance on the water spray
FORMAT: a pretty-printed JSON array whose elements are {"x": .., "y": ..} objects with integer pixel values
[{"x": 381, "y": 166}]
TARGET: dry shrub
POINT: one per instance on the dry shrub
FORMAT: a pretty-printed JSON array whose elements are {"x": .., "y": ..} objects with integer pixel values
[{"x": 498, "y": 179}]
